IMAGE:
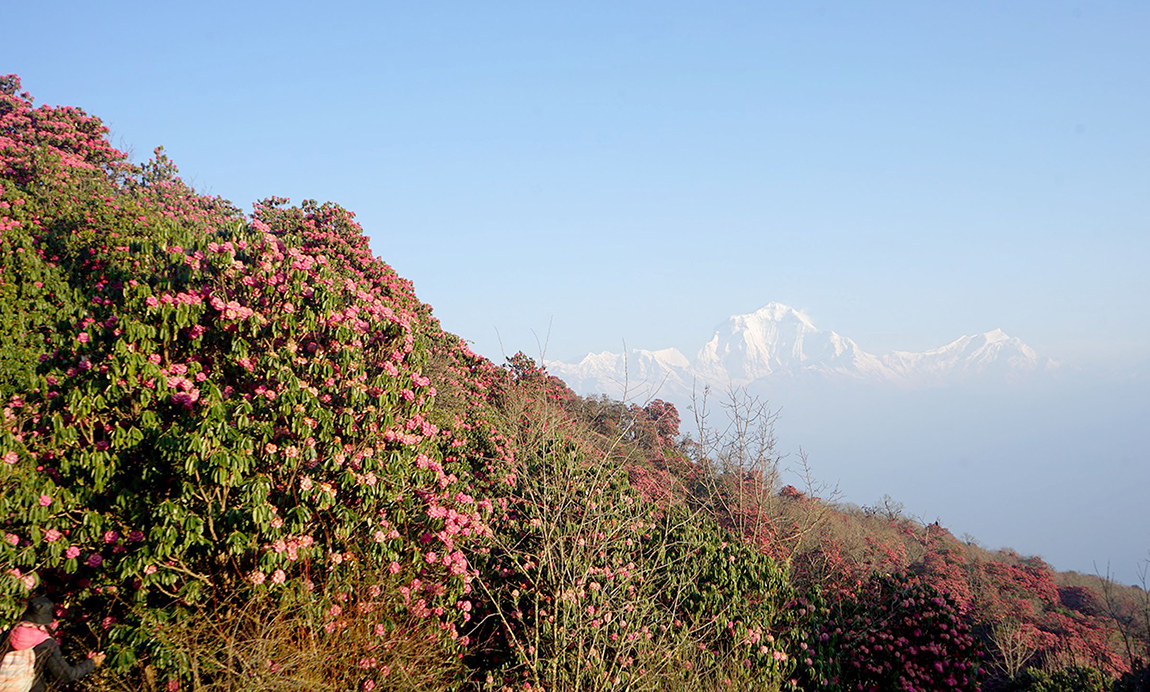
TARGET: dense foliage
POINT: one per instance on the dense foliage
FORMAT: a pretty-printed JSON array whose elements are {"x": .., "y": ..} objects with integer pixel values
[{"x": 899, "y": 633}]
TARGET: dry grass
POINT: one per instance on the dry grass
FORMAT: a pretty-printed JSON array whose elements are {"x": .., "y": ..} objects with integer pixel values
[{"x": 263, "y": 645}]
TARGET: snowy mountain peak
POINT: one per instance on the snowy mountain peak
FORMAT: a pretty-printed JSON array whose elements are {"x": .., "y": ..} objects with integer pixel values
[
  {"x": 776, "y": 312},
  {"x": 777, "y": 340}
]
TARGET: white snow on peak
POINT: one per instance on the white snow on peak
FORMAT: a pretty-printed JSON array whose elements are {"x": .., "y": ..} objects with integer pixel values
[
  {"x": 669, "y": 357},
  {"x": 777, "y": 312},
  {"x": 777, "y": 340},
  {"x": 637, "y": 374}
]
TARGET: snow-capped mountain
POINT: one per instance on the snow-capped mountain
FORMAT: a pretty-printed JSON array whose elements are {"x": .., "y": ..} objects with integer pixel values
[
  {"x": 993, "y": 354},
  {"x": 777, "y": 341},
  {"x": 635, "y": 373}
]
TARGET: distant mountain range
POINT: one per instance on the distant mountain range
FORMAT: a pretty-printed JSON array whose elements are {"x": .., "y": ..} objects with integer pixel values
[{"x": 779, "y": 342}]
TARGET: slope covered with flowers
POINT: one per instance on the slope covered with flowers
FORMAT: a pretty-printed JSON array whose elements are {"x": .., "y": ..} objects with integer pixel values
[
  {"x": 195, "y": 401},
  {"x": 238, "y": 450}
]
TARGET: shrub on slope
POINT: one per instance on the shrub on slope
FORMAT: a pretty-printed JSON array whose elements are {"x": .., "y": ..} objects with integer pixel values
[
  {"x": 586, "y": 585},
  {"x": 219, "y": 403},
  {"x": 1025, "y": 614}
]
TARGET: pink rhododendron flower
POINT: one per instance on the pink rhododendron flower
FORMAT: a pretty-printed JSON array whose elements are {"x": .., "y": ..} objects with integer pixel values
[
  {"x": 45, "y": 500},
  {"x": 257, "y": 577},
  {"x": 278, "y": 576},
  {"x": 150, "y": 569},
  {"x": 72, "y": 552},
  {"x": 11, "y": 457},
  {"x": 51, "y": 535}
]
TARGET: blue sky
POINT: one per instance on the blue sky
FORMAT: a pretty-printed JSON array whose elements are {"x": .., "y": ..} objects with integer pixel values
[
  {"x": 905, "y": 172},
  {"x": 592, "y": 173}
]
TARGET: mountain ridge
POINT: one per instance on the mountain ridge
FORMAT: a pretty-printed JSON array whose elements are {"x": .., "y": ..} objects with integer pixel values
[{"x": 778, "y": 341}]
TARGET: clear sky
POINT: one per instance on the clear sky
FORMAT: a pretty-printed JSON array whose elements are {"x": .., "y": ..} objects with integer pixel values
[{"x": 906, "y": 172}]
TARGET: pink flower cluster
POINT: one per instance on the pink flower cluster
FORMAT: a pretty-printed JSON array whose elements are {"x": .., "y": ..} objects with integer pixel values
[
  {"x": 230, "y": 310},
  {"x": 291, "y": 545}
]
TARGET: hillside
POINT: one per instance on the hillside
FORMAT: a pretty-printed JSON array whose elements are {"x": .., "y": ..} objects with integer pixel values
[{"x": 240, "y": 453}]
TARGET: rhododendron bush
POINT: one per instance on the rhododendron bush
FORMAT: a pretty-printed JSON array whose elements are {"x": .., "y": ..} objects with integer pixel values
[
  {"x": 218, "y": 401},
  {"x": 1014, "y": 605},
  {"x": 897, "y": 633}
]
